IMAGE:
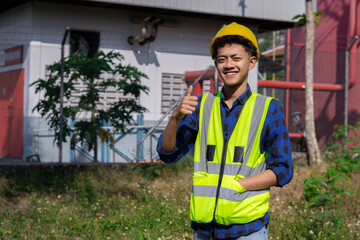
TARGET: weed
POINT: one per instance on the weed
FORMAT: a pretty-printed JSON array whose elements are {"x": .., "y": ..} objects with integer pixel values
[
  {"x": 122, "y": 202},
  {"x": 327, "y": 192}
]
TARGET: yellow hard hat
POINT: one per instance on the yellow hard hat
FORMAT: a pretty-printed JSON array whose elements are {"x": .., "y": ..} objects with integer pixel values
[{"x": 236, "y": 29}]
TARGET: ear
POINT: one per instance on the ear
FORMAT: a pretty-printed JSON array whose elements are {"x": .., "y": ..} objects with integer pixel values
[
  {"x": 252, "y": 62},
  {"x": 215, "y": 63}
]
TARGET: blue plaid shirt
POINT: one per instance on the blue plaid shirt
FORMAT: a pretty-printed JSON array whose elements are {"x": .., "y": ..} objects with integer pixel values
[{"x": 274, "y": 140}]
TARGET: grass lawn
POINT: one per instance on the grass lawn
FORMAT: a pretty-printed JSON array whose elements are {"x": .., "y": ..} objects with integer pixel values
[{"x": 152, "y": 202}]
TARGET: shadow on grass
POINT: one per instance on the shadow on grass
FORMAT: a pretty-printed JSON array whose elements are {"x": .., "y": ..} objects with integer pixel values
[
  {"x": 18, "y": 179},
  {"x": 40, "y": 178}
]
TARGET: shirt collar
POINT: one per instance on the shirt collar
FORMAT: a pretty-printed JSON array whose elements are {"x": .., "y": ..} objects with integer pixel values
[{"x": 241, "y": 99}]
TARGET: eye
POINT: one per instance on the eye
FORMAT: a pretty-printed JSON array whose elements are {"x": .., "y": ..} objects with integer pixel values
[{"x": 221, "y": 60}]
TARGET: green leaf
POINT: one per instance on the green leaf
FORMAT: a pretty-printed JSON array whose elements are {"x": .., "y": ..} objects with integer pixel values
[{"x": 88, "y": 102}]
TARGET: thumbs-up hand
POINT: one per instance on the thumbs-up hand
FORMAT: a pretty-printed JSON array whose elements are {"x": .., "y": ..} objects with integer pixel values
[{"x": 186, "y": 106}]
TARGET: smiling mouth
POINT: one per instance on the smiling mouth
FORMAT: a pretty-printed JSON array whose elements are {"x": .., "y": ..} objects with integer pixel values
[{"x": 230, "y": 73}]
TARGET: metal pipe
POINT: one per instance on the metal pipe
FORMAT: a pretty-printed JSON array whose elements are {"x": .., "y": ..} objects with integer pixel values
[
  {"x": 108, "y": 145},
  {"x": 103, "y": 144},
  {"x": 287, "y": 78},
  {"x": 300, "y": 85},
  {"x": 67, "y": 29},
  {"x": 352, "y": 33},
  {"x": 216, "y": 81},
  {"x": 296, "y": 135},
  {"x": 350, "y": 70},
  {"x": 273, "y": 58},
  {"x": 171, "y": 109},
  {"x": 347, "y": 87},
  {"x": 192, "y": 76},
  {"x": 139, "y": 135},
  {"x": 72, "y": 151}
]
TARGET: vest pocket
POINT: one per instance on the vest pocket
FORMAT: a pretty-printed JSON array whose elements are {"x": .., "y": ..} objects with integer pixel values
[
  {"x": 238, "y": 154},
  {"x": 210, "y": 153},
  {"x": 237, "y": 186},
  {"x": 203, "y": 197}
]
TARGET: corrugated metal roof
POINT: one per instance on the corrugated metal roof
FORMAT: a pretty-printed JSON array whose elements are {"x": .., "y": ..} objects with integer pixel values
[
  {"x": 275, "y": 10},
  {"x": 260, "y": 15}
]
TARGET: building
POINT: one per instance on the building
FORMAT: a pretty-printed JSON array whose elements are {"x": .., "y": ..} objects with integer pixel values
[
  {"x": 333, "y": 42},
  {"x": 30, "y": 39}
]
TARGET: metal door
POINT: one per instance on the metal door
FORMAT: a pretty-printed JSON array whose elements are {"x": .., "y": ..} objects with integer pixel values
[{"x": 11, "y": 113}]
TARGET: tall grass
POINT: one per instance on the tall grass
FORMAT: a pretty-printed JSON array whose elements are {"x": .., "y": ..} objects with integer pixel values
[
  {"x": 96, "y": 202},
  {"x": 152, "y": 201},
  {"x": 326, "y": 204}
]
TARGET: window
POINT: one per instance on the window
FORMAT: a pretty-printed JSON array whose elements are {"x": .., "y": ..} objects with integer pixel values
[
  {"x": 173, "y": 87},
  {"x": 206, "y": 86},
  {"x": 107, "y": 98},
  {"x": 84, "y": 42}
]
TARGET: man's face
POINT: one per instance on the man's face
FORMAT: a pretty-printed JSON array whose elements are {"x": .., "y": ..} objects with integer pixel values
[{"x": 233, "y": 64}]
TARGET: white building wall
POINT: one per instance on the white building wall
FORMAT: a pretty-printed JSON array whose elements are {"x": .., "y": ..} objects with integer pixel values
[
  {"x": 175, "y": 50},
  {"x": 40, "y": 28}
]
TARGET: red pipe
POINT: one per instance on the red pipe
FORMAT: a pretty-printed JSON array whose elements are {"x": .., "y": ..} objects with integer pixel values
[
  {"x": 298, "y": 44},
  {"x": 212, "y": 83},
  {"x": 300, "y": 85},
  {"x": 198, "y": 88},
  {"x": 193, "y": 75},
  {"x": 296, "y": 135}
]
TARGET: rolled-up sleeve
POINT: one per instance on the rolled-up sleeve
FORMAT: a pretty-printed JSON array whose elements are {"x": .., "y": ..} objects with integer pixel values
[
  {"x": 275, "y": 141},
  {"x": 185, "y": 137}
]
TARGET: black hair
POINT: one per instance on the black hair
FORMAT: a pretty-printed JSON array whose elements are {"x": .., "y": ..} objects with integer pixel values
[{"x": 230, "y": 39}]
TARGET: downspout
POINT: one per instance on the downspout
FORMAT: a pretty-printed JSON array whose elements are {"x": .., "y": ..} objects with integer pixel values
[
  {"x": 347, "y": 85},
  {"x": 352, "y": 33},
  {"x": 67, "y": 30},
  {"x": 350, "y": 68}
]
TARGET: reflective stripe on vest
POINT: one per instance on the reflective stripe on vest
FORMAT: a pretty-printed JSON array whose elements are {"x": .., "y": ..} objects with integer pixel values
[{"x": 218, "y": 164}]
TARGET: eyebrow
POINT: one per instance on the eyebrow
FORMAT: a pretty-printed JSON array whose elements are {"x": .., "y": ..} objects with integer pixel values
[{"x": 233, "y": 55}]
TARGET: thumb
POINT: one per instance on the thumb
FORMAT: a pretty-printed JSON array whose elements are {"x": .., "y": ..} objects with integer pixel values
[{"x": 189, "y": 91}]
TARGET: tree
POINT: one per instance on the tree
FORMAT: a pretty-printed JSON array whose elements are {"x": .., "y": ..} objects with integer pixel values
[
  {"x": 301, "y": 19},
  {"x": 87, "y": 107},
  {"x": 312, "y": 144}
]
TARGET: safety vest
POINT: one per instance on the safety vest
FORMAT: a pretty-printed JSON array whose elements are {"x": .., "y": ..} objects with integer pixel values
[{"x": 219, "y": 163}]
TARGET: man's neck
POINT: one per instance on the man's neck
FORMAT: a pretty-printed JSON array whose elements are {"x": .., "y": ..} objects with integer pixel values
[{"x": 233, "y": 93}]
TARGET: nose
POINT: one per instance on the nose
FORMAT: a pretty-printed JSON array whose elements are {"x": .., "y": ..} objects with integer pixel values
[{"x": 229, "y": 63}]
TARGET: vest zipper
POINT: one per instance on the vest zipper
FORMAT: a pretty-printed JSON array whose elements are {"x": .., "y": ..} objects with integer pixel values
[{"x": 221, "y": 174}]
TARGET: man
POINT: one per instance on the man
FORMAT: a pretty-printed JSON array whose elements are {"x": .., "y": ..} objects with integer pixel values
[{"x": 241, "y": 145}]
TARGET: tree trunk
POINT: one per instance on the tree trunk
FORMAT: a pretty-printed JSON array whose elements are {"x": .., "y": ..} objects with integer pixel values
[{"x": 312, "y": 144}]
